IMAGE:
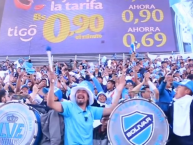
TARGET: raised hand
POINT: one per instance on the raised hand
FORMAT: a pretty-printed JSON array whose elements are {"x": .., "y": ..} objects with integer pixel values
[
  {"x": 21, "y": 74},
  {"x": 51, "y": 76},
  {"x": 147, "y": 76},
  {"x": 167, "y": 77},
  {"x": 35, "y": 89},
  {"x": 121, "y": 83},
  {"x": 124, "y": 70},
  {"x": 88, "y": 72},
  {"x": 10, "y": 78}
]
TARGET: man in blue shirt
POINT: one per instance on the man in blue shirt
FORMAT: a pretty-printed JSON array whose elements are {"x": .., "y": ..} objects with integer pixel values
[{"x": 78, "y": 114}]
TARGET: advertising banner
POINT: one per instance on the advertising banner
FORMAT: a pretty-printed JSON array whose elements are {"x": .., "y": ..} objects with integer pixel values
[{"x": 86, "y": 26}]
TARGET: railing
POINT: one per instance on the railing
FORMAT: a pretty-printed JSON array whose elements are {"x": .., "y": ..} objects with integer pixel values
[{"x": 42, "y": 60}]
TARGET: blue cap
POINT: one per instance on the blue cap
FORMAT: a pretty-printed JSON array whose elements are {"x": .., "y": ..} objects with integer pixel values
[
  {"x": 88, "y": 84},
  {"x": 65, "y": 78},
  {"x": 101, "y": 93},
  {"x": 24, "y": 86},
  {"x": 57, "y": 92},
  {"x": 130, "y": 81},
  {"x": 20, "y": 60},
  {"x": 96, "y": 66},
  {"x": 186, "y": 83},
  {"x": 76, "y": 72}
]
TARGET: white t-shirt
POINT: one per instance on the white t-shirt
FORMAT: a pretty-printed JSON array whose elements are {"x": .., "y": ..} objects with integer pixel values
[
  {"x": 182, "y": 70},
  {"x": 109, "y": 95},
  {"x": 6, "y": 79},
  {"x": 105, "y": 79},
  {"x": 158, "y": 64},
  {"x": 38, "y": 75},
  {"x": 37, "y": 99}
]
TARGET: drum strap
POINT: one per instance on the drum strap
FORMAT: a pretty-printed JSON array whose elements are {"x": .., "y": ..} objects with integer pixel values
[{"x": 40, "y": 108}]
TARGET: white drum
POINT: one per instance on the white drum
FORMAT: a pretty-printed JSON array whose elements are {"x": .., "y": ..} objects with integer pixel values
[
  {"x": 138, "y": 122},
  {"x": 19, "y": 124}
]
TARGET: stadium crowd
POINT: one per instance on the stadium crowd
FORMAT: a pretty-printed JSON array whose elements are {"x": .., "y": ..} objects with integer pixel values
[{"x": 152, "y": 79}]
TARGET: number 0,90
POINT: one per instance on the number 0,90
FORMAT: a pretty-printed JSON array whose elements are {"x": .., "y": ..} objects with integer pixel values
[
  {"x": 95, "y": 23},
  {"x": 128, "y": 15}
]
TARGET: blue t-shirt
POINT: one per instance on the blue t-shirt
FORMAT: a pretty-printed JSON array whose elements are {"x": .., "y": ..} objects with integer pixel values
[
  {"x": 125, "y": 93},
  {"x": 79, "y": 123},
  {"x": 146, "y": 64}
]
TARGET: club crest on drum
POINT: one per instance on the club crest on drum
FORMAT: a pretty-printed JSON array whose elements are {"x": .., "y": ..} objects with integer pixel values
[
  {"x": 138, "y": 127},
  {"x": 12, "y": 130}
]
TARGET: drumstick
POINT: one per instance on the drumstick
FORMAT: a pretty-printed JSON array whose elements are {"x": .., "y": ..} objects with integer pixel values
[
  {"x": 138, "y": 91},
  {"x": 48, "y": 50}
]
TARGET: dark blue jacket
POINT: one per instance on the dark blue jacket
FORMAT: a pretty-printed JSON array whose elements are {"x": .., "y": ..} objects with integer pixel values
[
  {"x": 165, "y": 97},
  {"x": 178, "y": 140},
  {"x": 104, "y": 88}
]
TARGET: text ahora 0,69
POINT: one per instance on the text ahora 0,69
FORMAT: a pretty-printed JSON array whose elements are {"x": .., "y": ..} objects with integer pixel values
[
  {"x": 147, "y": 39},
  {"x": 157, "y": 15},
  {"x": 94, "y": 23}
]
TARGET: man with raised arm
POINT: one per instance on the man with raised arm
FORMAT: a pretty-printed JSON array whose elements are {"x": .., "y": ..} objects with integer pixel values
[
  {"x": 180, "y": 115},
  {"x": 79, "y": 114}
]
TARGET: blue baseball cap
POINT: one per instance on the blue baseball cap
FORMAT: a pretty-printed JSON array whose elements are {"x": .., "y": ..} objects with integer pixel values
[
  {"x": 24, "y": 86},
  {"x": 20, "y": 60},
  {"x": 57, "y": 92},
  {"x": 186, "y": 83},
  {"x": 101, "y": 93},
  {"x": 96, "y": 66},
  {"x": 130, "y": 82},
  {"x": 65, "y": 78}
]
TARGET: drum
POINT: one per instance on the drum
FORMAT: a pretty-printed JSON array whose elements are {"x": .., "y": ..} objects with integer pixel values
[
  {"x": 138, "y": 122},
  {"x": 19, "y": 124}
]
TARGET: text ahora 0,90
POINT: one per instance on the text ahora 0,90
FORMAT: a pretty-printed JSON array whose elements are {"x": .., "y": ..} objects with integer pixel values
[
  {"x": 157, "y": 15},
  {"x": 94, "y": 23}
]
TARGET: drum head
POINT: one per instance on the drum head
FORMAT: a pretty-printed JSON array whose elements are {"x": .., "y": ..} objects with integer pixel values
[
  {"x": 17, "y": 124},
  {"x": 138, "y": 122}
]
